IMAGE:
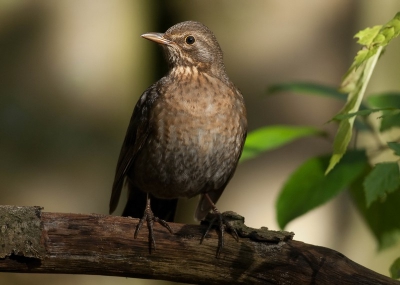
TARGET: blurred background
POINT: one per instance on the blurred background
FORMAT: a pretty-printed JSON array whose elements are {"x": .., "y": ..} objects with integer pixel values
[{"x": 72, "y": 71}]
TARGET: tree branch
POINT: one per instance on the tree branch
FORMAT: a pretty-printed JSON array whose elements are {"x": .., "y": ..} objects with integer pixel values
[{"x": 41, "y": 242}]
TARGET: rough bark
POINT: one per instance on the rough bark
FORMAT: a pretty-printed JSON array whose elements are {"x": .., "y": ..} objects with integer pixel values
[{"x": 33, "y": 241}]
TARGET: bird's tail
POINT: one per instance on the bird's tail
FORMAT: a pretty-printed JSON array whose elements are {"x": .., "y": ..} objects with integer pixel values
[{"x": 162, "y": 208}]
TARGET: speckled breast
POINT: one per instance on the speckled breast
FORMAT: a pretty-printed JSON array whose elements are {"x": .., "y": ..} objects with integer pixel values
[{"x": 196, "y": 138}]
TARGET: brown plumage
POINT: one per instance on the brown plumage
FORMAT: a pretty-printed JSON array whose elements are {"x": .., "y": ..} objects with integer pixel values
[{"x": 186, "y": 133}]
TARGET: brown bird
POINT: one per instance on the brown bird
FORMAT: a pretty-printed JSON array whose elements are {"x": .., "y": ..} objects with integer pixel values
[{"x": 186, "y": 133}]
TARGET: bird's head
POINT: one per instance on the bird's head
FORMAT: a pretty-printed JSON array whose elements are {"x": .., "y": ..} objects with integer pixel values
[{"x": 190, "y": 44}]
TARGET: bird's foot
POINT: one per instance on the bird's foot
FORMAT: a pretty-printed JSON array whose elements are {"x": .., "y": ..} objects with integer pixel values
[
  {"x": 149, "y": 217},
  {"x": 220, "y": 220}
]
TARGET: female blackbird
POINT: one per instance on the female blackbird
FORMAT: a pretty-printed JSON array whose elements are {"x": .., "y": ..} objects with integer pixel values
[{"x": 186, "y": 133}]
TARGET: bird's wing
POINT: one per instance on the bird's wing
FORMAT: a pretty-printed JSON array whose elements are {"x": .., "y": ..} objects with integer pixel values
[{"x": 135, "y": 138}]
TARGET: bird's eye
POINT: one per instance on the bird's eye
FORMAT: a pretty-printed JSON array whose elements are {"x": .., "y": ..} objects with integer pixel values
[{"x": 190, "y": 40}]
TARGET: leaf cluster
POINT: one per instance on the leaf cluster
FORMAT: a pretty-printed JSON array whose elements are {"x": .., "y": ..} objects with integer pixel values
[{"x": 374, "y": 189}]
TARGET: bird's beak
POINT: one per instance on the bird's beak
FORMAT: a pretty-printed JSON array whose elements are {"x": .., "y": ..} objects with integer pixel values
[{"x": 156, "y": 37}]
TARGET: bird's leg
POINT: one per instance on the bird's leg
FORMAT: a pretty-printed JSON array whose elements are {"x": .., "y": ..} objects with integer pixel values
[
  {"x": 149, "y": 217},
  {"x": 222, "y": 224}
]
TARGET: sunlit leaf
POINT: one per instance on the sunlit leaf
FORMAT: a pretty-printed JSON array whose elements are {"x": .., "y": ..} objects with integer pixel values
[
  {"x": 357, "y": 77},
  {"x": 363, "y": 55},
  {"x": 390, "y": 30},
  {"x": 366, "y": 36},
  {"x": 382, "y": 180},
  {"x": 269, "y": 138},
  {"x": 374, "y": 38},
  {"x": 308, "y": 187},
  {"x": 344, "y": 132}
]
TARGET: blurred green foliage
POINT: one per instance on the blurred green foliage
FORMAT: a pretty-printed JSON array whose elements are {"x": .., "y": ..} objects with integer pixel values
[{"x": 375, "y": 190}]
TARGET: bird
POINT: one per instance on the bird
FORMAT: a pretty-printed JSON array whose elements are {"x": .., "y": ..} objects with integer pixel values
[{"x": 185, "y": 136}]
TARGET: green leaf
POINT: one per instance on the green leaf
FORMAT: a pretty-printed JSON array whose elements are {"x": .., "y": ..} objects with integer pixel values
[
  {"x": 395, "y": 269},
  {"x": 358, "y": 113},
  {"x": 360, "y": 82},
  {"x": 308, "y": 88},
  {"x": 390, "y": 119},
  {"x": 269, "y": 138},
  {"x": 357, "y": 77},
  {"x": 366, "y": 36},
  {"x": 383, "y": 179},
  {"x": 386, "y": 100},
  {"x": 382, "y": 216},
  {"x": 342, "y": 139},
  {"x": 390, "y": 105},
  {"x": 374, "y": 38},
  {"x": 363, "y": 55},
  {"x": 395, "y": 146},
  {"x": 308, "y": 187},
  {"x": 390, "y": 30}
]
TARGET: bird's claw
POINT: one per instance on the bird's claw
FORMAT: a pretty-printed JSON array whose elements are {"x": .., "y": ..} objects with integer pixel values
[
  {"x": 149, "y": 217},
  {"x": 223, "y": 225}
]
